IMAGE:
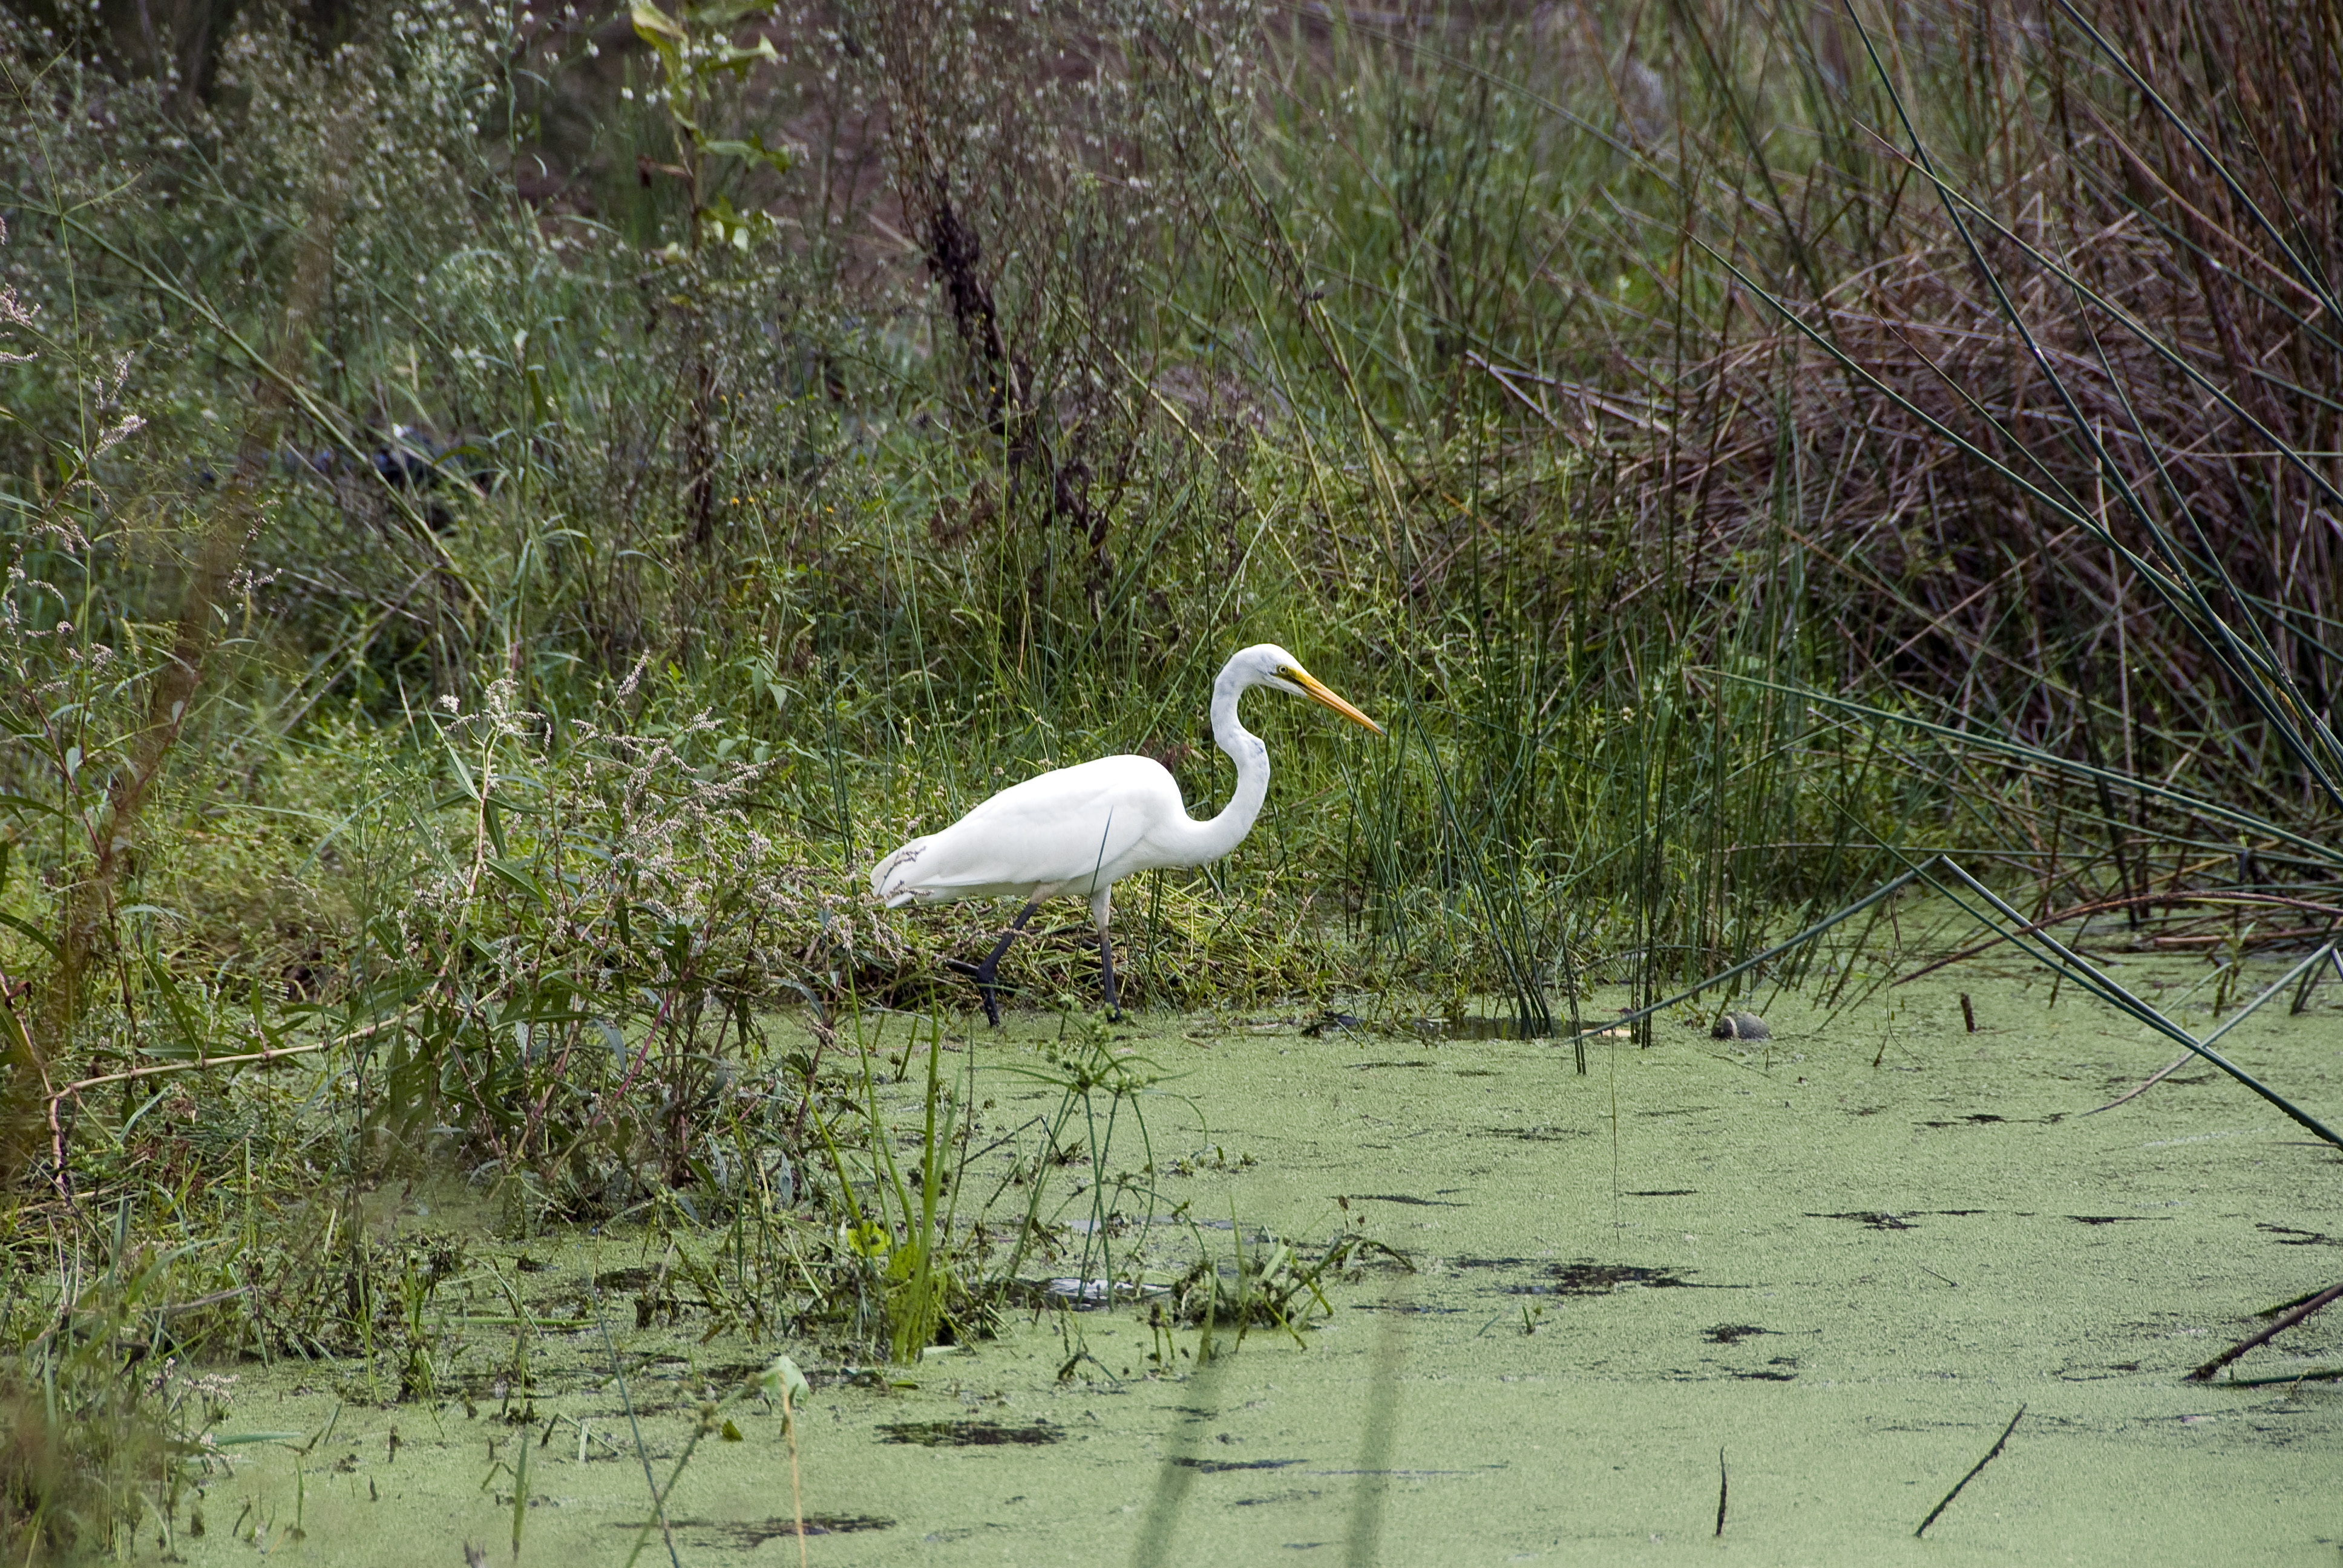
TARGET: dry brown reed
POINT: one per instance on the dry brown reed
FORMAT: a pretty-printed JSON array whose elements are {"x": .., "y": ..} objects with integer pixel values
[{"x": 2197, "y": 351}]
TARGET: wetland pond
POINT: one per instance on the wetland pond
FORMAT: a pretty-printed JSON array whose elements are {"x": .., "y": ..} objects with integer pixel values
[{"x": 1844, "y": 1259}]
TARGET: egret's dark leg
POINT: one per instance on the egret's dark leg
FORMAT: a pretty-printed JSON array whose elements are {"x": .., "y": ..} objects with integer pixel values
[
  {"x": 983, "y": 973},
  {"x": 1099, "y": 913}
]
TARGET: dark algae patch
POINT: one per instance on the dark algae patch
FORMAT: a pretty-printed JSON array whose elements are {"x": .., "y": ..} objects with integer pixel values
[
  {"x": 1987, "y": 1119},
  {"x": 967, "y": 1434},
  {"x": 623, "y": 1278},
  {"x": 1538, "y": 1134},
  {"x": 1732, "y": 1333},
  {"x": 1586, "y": 1278},
  {"x": 1217, "y": 1466},
  {"x": 1583, "y": 1277},
  {"x": 1403, "y": 1198},
  {"x": 746, "y": 1536}
]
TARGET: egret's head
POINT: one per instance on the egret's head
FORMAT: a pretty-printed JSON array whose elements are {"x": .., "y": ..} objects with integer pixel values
[{"x": 1266, "y": 664}]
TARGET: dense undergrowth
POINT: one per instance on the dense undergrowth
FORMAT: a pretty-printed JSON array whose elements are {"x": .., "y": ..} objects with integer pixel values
[{"x": 509, "y": 514}]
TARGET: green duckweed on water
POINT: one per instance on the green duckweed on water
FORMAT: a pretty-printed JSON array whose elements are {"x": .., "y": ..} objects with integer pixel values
[{"x": 1844, "y": 1257}]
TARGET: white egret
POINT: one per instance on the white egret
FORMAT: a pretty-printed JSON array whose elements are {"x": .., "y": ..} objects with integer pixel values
[{"x": 1080, "y": 831}]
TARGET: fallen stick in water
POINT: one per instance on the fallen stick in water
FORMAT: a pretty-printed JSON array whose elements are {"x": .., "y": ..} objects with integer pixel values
[
  {"x": 2279, "y": 1325},
  {"x": 1972, "y": 1475}
]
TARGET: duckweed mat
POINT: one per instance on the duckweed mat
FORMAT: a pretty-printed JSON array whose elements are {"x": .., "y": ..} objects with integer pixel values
[{"x": 1827, "y": 1270}]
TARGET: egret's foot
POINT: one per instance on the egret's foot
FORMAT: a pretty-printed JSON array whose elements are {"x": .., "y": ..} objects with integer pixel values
[{"x": 982, "y": 974}]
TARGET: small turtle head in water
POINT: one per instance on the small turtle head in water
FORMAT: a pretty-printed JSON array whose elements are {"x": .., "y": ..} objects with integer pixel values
[{"x": 1740, "y": 1026}]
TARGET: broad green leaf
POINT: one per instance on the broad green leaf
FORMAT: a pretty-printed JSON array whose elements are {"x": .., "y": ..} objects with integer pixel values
[
  {"x": 754, "y": 150},
  {"x": 655, "y": 24},
  {"x": 519, "y": 878},
  {"x": 22, "y": 928}
]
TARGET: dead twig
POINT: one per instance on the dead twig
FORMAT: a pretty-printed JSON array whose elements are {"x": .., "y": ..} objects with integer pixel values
[
  {"x": 2135, "y": 901},
  {"x": 2183, "y": 1060},
  {"x": 1989, "y": 1455},
  {"x": 2279, "y": 1325},
  {"x": 56, "y": 1097}
]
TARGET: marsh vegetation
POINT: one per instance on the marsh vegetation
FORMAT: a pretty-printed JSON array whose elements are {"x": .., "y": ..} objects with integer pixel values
[{"x": 509, "y": 511}]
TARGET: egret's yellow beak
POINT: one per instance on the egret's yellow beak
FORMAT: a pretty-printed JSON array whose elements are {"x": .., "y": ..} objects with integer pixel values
[{"x": 1315, "y": 689}]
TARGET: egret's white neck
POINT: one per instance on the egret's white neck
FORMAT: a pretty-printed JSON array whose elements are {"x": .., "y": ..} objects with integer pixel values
[{"x": 1209, "y": 840}]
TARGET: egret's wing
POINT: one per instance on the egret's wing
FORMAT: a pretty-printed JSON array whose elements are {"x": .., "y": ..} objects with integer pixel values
[{"x": 1064, "y": 828}]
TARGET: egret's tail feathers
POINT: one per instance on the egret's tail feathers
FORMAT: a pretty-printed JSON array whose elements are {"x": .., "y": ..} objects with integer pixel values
[{"x": 889, "y": 876}]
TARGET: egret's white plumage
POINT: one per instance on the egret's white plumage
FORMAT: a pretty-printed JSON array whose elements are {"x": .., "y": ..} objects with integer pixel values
[{"x": 1079, "y": 830}]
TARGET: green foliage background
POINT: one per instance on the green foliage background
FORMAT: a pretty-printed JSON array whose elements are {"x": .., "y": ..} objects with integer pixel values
[{"x": 509, "y": 513}]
